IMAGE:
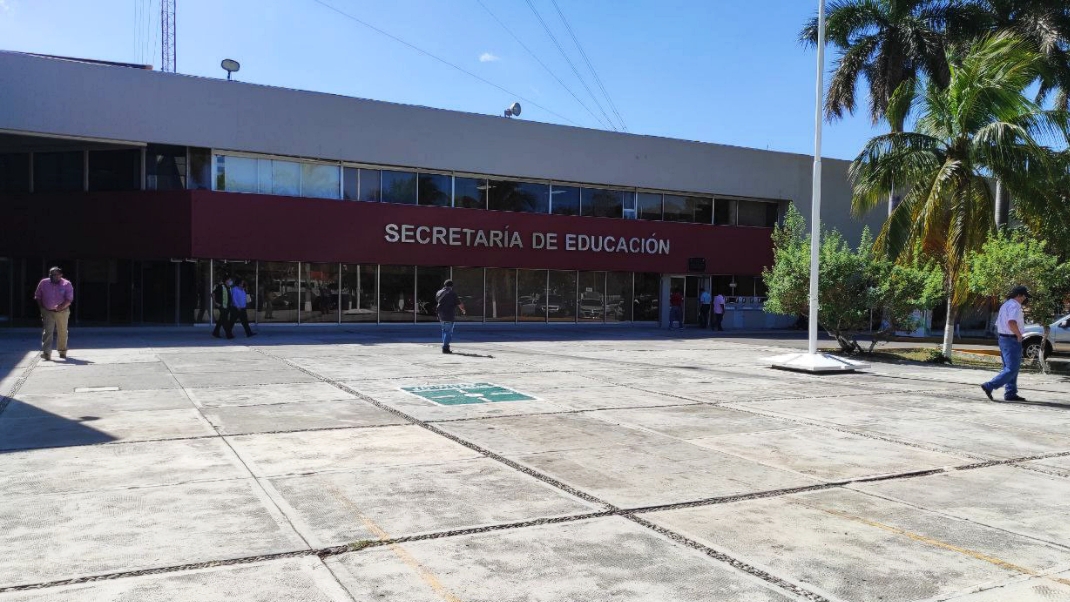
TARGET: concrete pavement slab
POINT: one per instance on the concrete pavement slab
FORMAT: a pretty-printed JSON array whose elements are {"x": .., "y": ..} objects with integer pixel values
[
  {"x": 594, "y": 561},
  {"x": 664, "y": 474},
  {"x": 298, "y": 416},
  {"x": 336, "y": 508},
  {"x": 542, "y": 433},
  {"x": 345, "y": 449},
  {"x": 1018, "y": 501},
  {"x": 145, "y": 375},
  {"x": 987, "y": 440},
  {"x": 372, "y": 369},
  {"x": 43, "y": 429},
  {"x": 105, "y": 467},
  {"x": 75, "y": 405},
  {"x": 1045, "y": 588},
  {"x": 838, "y": 411},
  {"x": 1060, "y": 465},
  {"x": 282, "y": 375},
  {"x": 694, "y": 421},
  {"x": 266, "y": 394},
  {"x": 214, "y": 361},
  {"x": 829, "y": 455},
  {"x": 290, "y": 580},
  {"x": 611, "y": 396},
  {"x": 850, "y": 546},
  {"x": 50, "y": 537}
]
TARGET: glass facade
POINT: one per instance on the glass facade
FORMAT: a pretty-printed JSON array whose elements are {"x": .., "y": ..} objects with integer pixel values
[
  {"x": 592, "y": 296},
  {"x": 694, "y": 210},
  {"x": 399, "y": 187},
  {"x": 435, "y": 190},
  {"x": 371, "y": 185},
  {"x": 527, "y": 197},
  {"x": 470, "y": 193},
  {"x": 531, "y": 305},
  {"x": 319, "y": 293},
  {"x": 277, "y": 291},
  {"x": 565, "y": 200},
  {"x": 429, "y": 281},
  {"x": 14, "y": 172},
  {"x": 397, "y": 293},
  {"x": 59, "y": 172},
  {"x": 468, "y": 282},
  {"x": 115, "y": 170},
  {"x": 648, "y": 206},
  {"x": 359, "y": 297},
  {"x": 165, "y": 167},
  {"x": 561, "y": 296},
  {"x": 597, "y": 202},
  {"x": 501, "y": 304}
]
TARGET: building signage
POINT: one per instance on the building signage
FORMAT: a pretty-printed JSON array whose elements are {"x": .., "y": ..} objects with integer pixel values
[{"x": 510, "y": 239}]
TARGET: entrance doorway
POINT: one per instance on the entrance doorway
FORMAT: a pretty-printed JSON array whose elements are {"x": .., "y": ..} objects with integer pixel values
[{"x": 689, "y": 286}]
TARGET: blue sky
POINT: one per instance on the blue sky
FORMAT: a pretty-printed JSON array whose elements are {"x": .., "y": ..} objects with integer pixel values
[{"x": 724, "y": 71}]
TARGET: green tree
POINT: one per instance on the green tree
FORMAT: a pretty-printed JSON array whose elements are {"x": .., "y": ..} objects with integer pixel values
[
  {"x": 1008, "y": 260},
  {"x": 979, "y": 126},
  {"x": 856, "y": 288}
]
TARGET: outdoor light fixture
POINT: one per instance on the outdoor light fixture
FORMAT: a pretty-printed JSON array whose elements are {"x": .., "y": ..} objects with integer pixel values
[
  {"x": 812, "y": 361},
  {"x": 230, "y": 66},
  {"x": 513, "y": 110}
]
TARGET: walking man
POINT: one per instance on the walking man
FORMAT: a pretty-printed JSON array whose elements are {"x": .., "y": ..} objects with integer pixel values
[
  {"x": 54, "y": 296},
  {"x": 1009, "y": 325},
  {"x": 221, "y": 298},
  {"x": 718, "y": 312},
  {"x": 447, "y": 305},
  {"x": 676, "y": 308},
  {"x": 239, "y": 301},
  {"x": 704, "y": 308}
]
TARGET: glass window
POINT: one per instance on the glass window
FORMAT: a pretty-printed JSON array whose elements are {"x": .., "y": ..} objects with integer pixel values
[
  {"x": 468, "y": 282},
  {"x": 5, "y": 288},
  {"x": 319, "y": 180},
  {"x": 703, "y": 210},
  {"x": 319, "y": 292},
  {"x": 598, "y": 202},
  {"x": 566, "y": 200},
  {"x": 501, "y": 295},
  {"x": 350, "y": 183},
  {"x": 436, "y": 190},
  {"x": 58, "y": 172},
  {"x": 93, "y": 280},
  {"x": 646, "y": 296},
  {"x": 561, "y": 297},
  {"x": 15, "y": 172},
  {"x": 619, "y": 302},
  {"x": 629, "y": 205},
  {"x": 285, "y": 177},
  {"x": 470, "y": 193},
  {"x": 236, "y": 174},
  {"x": 649, "y": 205},
  {"x": 200, "y": 169},
  {"x": 370, "y": 183},
  {"x": 507, "y": 195},
  {"x": 676, "y": 209},
  {"x": 195, "y": 292},
  {"x": 721, "y": 285},
  {"x": 592, "y": 306},
  {"x": 246, "y": 270},
  {"x": 397, "y": 293},
  {"x": 428, "y": 282},
  {"x": 757, "y": 213},
  {"x": 358, "y": 293},
  {"x": 531, "y": 295},
  {"x": 165, "y": 167},
  {"x": 399, "y": 187},
  {"x": 115, "y": 170},
  {"x": 277, "y": 291},
  {"x": 724, "y": 212}
]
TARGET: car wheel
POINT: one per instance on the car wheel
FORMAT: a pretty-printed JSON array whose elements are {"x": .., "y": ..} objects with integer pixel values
[{"x": 1031, "y": 349}]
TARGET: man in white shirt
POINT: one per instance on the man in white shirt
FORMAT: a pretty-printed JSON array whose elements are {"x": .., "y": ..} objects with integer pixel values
[{"x": 1009, "y": 325}]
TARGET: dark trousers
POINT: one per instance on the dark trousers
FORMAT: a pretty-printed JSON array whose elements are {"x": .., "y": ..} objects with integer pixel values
[
  {"x": 240, "y": 315},
  {"x": 225, "y": 321},
  {"x": 704, "y": 315},
  {"x": 717, "y": 319}
]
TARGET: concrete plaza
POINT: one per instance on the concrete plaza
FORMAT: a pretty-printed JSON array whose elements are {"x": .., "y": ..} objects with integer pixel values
[{"x": 624, "y": 464}]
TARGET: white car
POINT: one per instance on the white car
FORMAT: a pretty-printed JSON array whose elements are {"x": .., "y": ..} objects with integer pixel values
[{"x": 1058, "y": 338}]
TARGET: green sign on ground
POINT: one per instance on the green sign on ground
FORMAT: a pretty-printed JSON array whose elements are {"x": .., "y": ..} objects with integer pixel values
[{"x": 465, "y": 393}]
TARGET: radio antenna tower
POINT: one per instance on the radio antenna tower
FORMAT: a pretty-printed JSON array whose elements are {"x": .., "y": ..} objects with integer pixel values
[{"x": 168, "y": 55}]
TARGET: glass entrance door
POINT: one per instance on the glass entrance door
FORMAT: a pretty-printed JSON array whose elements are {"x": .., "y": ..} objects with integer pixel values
[{"x": 689, "y": 286}]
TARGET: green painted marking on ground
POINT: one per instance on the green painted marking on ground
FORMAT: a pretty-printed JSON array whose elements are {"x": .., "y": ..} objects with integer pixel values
[{"x": 467, "y": 393}]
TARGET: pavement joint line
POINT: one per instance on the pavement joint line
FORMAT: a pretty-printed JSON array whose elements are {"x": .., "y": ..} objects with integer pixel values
[
  {"x": 735, "y": 563},
  {"x": 5, "y": 400},
  {"x": 611, "y": 508}
]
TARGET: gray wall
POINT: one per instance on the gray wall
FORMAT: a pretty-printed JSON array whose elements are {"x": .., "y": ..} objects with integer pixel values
[{"x": 54, "y": 96}]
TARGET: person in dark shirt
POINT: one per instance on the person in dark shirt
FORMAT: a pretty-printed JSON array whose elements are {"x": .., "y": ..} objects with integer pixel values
[{"x": 447, "y": 305}]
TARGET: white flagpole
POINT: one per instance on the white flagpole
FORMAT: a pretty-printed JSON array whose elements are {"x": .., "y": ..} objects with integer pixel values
[{"x": 815, "y": 206}]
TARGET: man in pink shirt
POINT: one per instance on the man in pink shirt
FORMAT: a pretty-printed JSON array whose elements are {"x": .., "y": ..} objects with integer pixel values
[{"x": 54, "y": 296}]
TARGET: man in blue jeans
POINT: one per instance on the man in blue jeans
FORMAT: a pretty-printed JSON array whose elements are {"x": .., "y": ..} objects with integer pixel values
[
  {"x": 1009, "y": 325},
  {"x": 448, "y": 304}
]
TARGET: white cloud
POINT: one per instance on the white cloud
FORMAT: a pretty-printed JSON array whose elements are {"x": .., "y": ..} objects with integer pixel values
[{"x": 486, "y": 57}]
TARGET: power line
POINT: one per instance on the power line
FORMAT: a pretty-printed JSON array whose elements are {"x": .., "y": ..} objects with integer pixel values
[
  {"x": 548, "y": 70},
  {"x": 553, "y": 38},
  {"x": 443, "y": 61},
  {"x": 590, "y": 66}
]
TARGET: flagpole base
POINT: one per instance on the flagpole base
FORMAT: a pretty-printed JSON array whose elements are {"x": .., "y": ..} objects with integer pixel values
[{"x": 815, "y": 363}]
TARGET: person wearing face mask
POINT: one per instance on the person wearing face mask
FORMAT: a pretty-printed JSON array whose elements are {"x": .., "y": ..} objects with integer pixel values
[
  {"x": 221, "y": 298},
  {"x": 54, "y": 296}
]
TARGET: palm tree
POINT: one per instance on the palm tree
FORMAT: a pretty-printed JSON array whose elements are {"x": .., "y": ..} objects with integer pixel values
[{"x": 980, "y": 126}]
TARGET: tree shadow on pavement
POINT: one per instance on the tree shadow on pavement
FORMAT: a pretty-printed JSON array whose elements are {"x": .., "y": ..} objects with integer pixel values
[{"x": 24, "y": 427}]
